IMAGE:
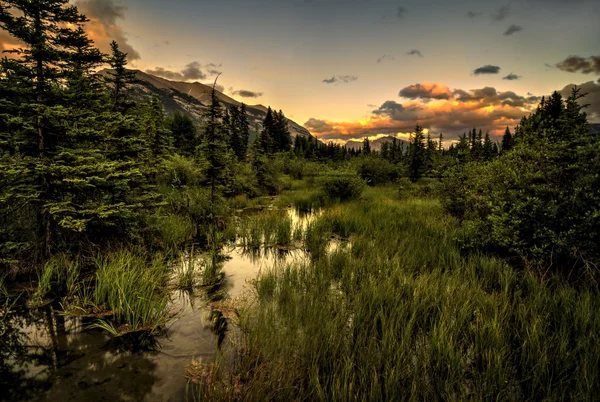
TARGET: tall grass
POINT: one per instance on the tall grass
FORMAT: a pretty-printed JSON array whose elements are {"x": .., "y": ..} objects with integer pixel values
[
  {"x": 59, "y": 277},
  {"x": 132, "y": 286},
  {"x": 401, "y": 314}
]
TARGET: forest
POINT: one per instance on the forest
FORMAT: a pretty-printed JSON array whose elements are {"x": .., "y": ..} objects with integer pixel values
[{"x": 429, "y": 269}]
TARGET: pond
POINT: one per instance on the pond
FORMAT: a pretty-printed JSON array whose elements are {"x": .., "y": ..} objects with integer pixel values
[{"x": 47, "y": 356}]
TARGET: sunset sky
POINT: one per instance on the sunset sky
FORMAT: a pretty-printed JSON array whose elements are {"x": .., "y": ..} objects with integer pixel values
[{"x": 354, "y": 68}]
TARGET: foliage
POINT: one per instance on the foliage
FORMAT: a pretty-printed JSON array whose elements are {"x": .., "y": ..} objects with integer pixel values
[
  {"x": 540, "y": 200},
  {"x": 342, "y": 186}
]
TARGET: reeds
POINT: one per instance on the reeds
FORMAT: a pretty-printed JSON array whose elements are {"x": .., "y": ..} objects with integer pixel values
[
  {"x": 402, "y": 314},
  {"x": 132, "y": 287}
]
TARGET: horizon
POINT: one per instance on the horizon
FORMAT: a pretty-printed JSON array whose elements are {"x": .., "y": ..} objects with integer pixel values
[{"x": 472, "y": 64}]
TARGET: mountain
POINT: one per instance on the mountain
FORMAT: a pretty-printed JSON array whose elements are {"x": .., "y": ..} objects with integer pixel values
[
  {"x": 376, "y": 144},
  {"x": 193, "y": 98}
]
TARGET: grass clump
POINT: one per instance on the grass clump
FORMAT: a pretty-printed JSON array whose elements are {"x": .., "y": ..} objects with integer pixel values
[{"x": 131, "y": 286}]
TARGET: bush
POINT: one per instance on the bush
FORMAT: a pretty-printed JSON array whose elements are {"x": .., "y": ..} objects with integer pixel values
[
  {"x": 541, "y": 200},
  {"x": 342, "y": 186},
  {"x": 376, "y": 171},
  {"x": 180, "y": 171}
]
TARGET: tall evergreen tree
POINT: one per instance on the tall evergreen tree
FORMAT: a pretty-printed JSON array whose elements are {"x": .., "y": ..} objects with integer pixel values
[
  {"x": 184, "y": 132},
  {"x": 507, "y": 140},
  {"x": 34, "y": 79},
  {"x": 366, "y": 149},
  {"x": 213, "y": 149},
  {"x": 417, "y": 162}
]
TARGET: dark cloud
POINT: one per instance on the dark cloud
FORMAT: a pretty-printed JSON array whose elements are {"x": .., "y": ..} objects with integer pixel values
[
  {"x": 401, "y": 12},
  {"x": 415, "y": 52},
  {"x": 487, "y": 69},
  {"x": 513, "y": 29},
  {"x": 192, "y": 71},
  {"x": 576, "y": 64},
  {"x": 385, "y": 57},
  {"x": 501, "y": 14},
  {"x": 340, "y": 79},
  {"x": 473, "y": 14},
  {"x": 478, "y": 95},
  {"x": 388, "y": 108},
  {"x": 103, "y": 26},
  {"x": 317, "y": 126},
  {"x": 512, "y": 77},
  {"x": 244, "y": 93},
  {"x": 592, "y": 98},
  {"x": 425, "y": 91}
]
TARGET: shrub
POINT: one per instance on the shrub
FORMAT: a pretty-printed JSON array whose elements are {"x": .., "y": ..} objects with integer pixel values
[
  {"x": 342, "y": 186},
  {"x": 541, "y": 200},
  {"x": 376, "y": 171}
]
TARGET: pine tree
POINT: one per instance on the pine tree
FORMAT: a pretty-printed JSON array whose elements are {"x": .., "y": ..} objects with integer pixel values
[
  {"x": 281, "y": 133},
  {"x": 441, "y": 143},
  {"x": 213, "y": 149},
  {"x": 243, "y": 129},
  {"x": 487, "y": 147},
  {"x": 507, "y": 140},
  {"x": 34, "y": 78},
  {"x": 366, "y": 149},
  {"x": 184, "y": 132},
  {"x": 385, "y": 151},
  {"x": 119, "y": 79},
  {"x": 417, "y": 162}
]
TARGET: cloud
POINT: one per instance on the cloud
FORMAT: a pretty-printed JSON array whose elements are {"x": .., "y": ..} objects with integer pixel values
[
  {"x": 576, "y": 64},
  {"x": 192, "y": 71},
  {"x": 415, "y": 52},
  {"x": 438, "y": 109},
  {"x": 473, "y": 14},
  {"x": 401, "y": 12},
  {"x": 426, "y": 91},
  {"x": 512, "y": 77},
  {"x": 244, "y": 93},
  {"x": 340, "y": 79},
  {"x": 592, "y": 89},
  {"x": 487, "y": 69},
  {"x": 385, "y": 57},
  {"x": 317, "y": 126},
  {"x": 501, "y": 14},
  {"x": 513, "y": 29},
  {"x": 103, "y": 27}
]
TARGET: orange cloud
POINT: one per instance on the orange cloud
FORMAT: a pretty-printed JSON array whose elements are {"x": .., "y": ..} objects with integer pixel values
[
  {"x": 437, "y": 109},
  {"x": 103, "y": 27}
]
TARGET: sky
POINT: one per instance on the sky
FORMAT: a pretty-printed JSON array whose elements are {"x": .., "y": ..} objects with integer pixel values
[{"x": 366, "y": 68}]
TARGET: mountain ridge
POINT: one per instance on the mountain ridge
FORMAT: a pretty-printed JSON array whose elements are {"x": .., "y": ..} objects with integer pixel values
[{"x": 193, "y": 98}]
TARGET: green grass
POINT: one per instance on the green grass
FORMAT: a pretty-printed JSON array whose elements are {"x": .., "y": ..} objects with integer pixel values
[
  {"x": 187, "y": 271},
  {"x": 269, "y": 228},
  {"x": 59, "y": 277},
  {"x": 132, "y": 286},
  {"x": 401, "y": 314}
]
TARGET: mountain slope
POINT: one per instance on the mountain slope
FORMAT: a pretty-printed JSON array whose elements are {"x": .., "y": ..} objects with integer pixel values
[{"x": 193, "y": 98}]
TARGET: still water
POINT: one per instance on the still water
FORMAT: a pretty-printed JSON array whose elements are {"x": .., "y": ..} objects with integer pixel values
[{"x": 46, "y": 356}]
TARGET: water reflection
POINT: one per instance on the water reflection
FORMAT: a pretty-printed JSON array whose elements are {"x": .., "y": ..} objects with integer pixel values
[{"x": 47, "y": 356}]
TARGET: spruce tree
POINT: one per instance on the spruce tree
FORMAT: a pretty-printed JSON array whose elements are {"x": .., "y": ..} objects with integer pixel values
[
  {"x": 507, "y": 140},
  {"x": 34, "y": 79},
  {"x": 119, "y": 79},
  {"x": 417, "y": 162},
  {"x": 184, "y": 132},
  {"x": 366, "y": 149},
  {"x": 213, "y": 149}
]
